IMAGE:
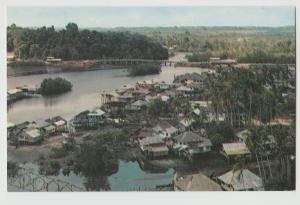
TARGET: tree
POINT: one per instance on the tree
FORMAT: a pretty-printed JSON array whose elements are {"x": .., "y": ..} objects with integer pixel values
[{"x": 54, "y": 86}]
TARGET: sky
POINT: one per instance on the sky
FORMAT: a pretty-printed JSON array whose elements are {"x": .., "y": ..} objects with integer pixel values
[{"x": 151, "y": 16}]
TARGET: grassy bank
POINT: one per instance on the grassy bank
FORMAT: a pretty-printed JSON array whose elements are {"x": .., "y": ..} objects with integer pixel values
[{"x": 26, "y": 63}]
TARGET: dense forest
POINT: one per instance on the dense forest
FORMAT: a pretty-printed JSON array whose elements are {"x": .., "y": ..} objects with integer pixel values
[
  {"x": 71, "y": 43},
  {"x": 262, "y": 92},
  {"x": 246, "y": 44}
]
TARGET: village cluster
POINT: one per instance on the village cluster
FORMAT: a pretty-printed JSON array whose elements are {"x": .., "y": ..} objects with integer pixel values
[{"x": 156, "y": 139}]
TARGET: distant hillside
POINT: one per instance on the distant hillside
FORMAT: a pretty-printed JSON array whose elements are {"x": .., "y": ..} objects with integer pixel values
[
  {"x": 246, "y": 44},
  {"x": 198, "y": 29}
]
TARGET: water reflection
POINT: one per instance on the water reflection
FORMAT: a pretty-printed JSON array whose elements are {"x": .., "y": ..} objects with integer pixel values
[
  {"x": 97, "y": 183},
  {"x": 128, "y": 177},
  {"x": 85, "y": 93}
]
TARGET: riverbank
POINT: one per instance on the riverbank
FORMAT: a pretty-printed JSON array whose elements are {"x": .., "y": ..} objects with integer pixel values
[{"x": 65, "y": 67}]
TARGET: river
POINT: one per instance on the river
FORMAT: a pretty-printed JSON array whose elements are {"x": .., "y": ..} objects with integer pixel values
[{"x": 87, "y": 87}]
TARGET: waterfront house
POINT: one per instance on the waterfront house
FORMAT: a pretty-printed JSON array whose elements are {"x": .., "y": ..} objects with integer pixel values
[
  {"x": 190, "y": 143},
  {"x": 184, "y": 90},
  {"x": 126, "y": 96},
  {"x": 144, "y": 133},
  {"x": 154, "y": 147},
  {"x": 112, "y": 101},
  {"x": 165, "y": 129},
  {"x": 30, "y": 135},
  {"x": 49, "y": 130},
  {"x": 10, "y": 127},
  {"x": 42, "y": 125},
  {"x": 149, "y": 98},
  {"x": 166, "y": 86},
  {"x": 89, "y": 119},
  {"x": 28, "y": 90},
  {"x": 235, "y": 149},
  {"x": 125, "y": 88},
  {"x": 240, "y": 180},
  {"x": 147, "y": 84},
  {"x": 164, "y": 97},
  {"x": 140, "y": 94},
  {"x": 14, "y": 94},
  {"x": 194, "y": 181},
  {"x": 139, "y": 104},
  {"x": 59, "y": 123}
]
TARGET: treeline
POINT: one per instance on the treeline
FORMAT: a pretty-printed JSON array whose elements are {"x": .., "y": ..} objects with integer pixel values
[
  {"x": 251, "y": 56},
  {"x": 72, "y": 44},
  {"x": 259, "y": 45}
]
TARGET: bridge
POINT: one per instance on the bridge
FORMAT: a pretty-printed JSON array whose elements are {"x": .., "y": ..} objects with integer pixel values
[{"x": 122, "y": 61}]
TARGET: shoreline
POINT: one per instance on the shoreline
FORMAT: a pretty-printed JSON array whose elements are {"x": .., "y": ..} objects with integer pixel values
[{"x": 50, "y": 69}]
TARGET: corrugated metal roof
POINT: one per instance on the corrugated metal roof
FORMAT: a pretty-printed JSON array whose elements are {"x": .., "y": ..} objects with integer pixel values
[
  {"x": 235, "y": 148},
  {"x": 151, "y": 140},
  {"x": 195, "y": 182},
  {"x": 242, "y": 180}
]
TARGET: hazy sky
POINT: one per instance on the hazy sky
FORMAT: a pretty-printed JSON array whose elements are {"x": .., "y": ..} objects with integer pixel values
[{"x": 151, "y": 16}]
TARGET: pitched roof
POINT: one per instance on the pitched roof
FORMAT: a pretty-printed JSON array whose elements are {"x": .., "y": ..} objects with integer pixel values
[
  {"x": 140, "y": 103},
  {"x": 194, "y": 182},
  {"x": 59, "y": 123},
  {"x": 184, "y": 88},
  {"x": 32, "y": 132},
  {"x": 187, "y": 137},
  {"x": 235, "y": 148},
  {"x": 151, "y": 140},
  {"x": 41, "y": 123},
  {"x": 164, "y": 126},
  {"x": 196, "y": 111},
  {"x": 241, "y": 179},
  {"x": 14, "y": 91},
  {"x": 96, "y": 112}
]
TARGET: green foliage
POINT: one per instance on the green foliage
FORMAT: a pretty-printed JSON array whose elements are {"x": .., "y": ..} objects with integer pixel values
[
  {"x": 54, "y": 86},
  {"x": 158, "y": 107},
  {"x": 254, "y": 92},
  {"x": 58, "y": 152},
  {"x": 246, "y": 44},
  {"x": 49, "y": 167},
  {"x": 198, "y": 57},
  {"x": 12, "y": 169},
  {"x": 71, "y": 44},
  {"x": 26, "y": 63},
  {"x": 144, "y": 69},
  {"x": 94, "y": 159},
  {"x": 219, "y": 133}
]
